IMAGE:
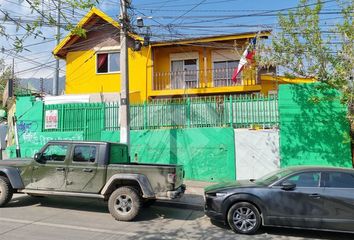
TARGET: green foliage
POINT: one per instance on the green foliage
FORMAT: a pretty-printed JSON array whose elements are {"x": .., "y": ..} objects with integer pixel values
[
  {"x": 45, "y": 18},
  {"x": 82, "y": 4},
  {"x": 302, "y": 48},
  {"x": 5, "y": 74}
]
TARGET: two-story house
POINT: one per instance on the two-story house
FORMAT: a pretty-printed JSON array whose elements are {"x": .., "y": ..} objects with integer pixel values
[{"x": 196, "y": 66}]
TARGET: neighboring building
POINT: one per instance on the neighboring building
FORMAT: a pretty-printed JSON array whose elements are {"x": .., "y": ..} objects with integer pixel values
[{"x": 198, "y": 66}]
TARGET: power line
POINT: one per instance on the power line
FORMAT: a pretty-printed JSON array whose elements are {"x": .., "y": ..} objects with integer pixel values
[
  {"x": 188, "y": 11},
  {"x": 243, "y": 15}
]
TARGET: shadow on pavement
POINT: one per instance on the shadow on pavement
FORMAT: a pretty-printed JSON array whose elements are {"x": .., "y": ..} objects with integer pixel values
[
  {"x": 284, "y": 233},
  {"x": 98, "y": 205},
  {"x": 271, "y": 233}
]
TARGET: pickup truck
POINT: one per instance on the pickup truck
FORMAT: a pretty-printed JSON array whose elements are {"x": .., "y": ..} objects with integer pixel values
[{"x": 91, "y": 170}]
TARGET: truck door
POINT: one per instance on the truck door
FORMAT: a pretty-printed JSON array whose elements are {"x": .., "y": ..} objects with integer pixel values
[
  {"x": 83, "y": 174},
  {"x": 49, "y": 172}
]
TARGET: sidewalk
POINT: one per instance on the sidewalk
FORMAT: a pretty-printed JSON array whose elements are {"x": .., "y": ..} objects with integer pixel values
[{"x": 193, "y": 197}]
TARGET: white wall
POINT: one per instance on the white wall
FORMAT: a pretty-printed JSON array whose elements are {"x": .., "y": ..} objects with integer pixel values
[{"x": 257, "y": 152}]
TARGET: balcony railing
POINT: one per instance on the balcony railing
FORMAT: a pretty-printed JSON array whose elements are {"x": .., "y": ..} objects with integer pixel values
[{"x": 202, "y": 79}]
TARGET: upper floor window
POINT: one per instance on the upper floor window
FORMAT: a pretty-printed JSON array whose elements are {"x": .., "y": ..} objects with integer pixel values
[
  {"x": 223, "y": 71},
  {"x": 224, "y": 63},
  {"x": 108, "y": 62},
  {"x": 184, "y": 70}
]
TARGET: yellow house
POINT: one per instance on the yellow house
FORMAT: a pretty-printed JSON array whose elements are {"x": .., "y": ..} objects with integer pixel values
[{"x": 198, "y": 66}]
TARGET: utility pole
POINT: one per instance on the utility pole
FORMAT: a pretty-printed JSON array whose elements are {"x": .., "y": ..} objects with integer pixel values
[
  {"x": 12, "y": 80},
  {"x": 42, "y": 85},
  {"x": 124, "y": 92},
  {"x": 56, "y": 74},
  {"x": 14, "y": 120}
]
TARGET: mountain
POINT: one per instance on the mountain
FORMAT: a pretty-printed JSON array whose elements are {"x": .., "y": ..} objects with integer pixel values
[{"x": 35, "y": 84}]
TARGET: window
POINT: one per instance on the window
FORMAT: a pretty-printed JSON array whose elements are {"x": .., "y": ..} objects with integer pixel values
[
  {"x": 118, "y": 154},
  {"x": 108, "y": 62},
  {"x": 306, "y": 179},
  {"x": 84, "y": 154},
  {"x": 55, "y": 152},
  {"x": 340, "y": 180},
  {"x": 184, "y": 70},
  {"x": 184, "y": 73},
  {"x": 223, "y": 71}
]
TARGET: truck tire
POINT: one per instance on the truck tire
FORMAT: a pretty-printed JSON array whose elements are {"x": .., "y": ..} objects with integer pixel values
[
  {"x": 6, "y": 191},
  {"x": 125, "y": 203}
]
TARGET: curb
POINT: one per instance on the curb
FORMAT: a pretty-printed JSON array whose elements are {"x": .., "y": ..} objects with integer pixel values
[{"x": 168, "y": 203}]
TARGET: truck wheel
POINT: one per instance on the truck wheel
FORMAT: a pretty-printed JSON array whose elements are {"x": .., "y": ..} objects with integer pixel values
[
  {"x": 124, "y": 204},
  {"x": 6, "y": 191}
]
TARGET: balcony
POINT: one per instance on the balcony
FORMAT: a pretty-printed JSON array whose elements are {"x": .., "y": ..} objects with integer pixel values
[{"x": 201, "y": 79}]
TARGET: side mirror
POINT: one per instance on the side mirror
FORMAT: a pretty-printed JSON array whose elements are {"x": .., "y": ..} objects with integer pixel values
[
  {"x": 38, "y": 157},
  {"x": 288, "y": 185}
]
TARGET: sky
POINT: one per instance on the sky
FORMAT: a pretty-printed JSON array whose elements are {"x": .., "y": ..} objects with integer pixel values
[{"x": 167, "y": 19}]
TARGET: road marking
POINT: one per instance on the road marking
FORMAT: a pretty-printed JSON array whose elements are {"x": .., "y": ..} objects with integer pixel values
[{"x": 67, "y": 226}]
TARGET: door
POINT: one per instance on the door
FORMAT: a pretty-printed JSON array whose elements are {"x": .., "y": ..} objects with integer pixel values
[
  {"x": 184, "y": 74},
  {"x": 299, "y": 207},
  {"x": 83, "y": 175},
  {"x": 257, "y": 153},
  {"x": 339, "y": 201},
  {"x": 49, "y": 173}
]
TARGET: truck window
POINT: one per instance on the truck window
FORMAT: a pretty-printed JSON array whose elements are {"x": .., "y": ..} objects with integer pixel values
[
  {"x": 84, "y": 154},
  {"x": 55, "y": 152},
  {"x": 118, "y": 154}
]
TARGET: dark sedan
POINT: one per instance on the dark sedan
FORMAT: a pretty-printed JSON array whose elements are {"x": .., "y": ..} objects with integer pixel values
[{"x": 300, "y": 197}]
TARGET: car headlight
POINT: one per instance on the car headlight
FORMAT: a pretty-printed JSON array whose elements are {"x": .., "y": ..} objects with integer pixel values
[{"x": 220, "y": 194}]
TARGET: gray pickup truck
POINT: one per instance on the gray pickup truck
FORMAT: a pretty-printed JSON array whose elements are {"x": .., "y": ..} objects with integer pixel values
[{"x": 93, "y": 170}]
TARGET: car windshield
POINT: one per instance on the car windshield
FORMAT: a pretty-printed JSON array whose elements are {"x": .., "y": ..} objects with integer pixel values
[{"x": 273, "y": 176}]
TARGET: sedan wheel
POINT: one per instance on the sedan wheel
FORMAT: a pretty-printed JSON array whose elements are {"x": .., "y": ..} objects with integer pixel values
[{"x": 244, "y": 218}]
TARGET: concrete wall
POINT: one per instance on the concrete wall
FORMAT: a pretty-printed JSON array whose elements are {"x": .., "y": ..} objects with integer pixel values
[
  {"x": 314, "y": 129},
  {"x": 206, "y": 153}
]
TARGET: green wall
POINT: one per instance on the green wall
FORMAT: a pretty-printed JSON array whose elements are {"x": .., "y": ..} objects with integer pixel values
[
  {"x": 207, "y": 154},
  {"x": 314, "y": 129},
  {"x": 31, "y": 142}
]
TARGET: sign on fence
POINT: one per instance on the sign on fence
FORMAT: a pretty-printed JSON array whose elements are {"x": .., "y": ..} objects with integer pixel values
[{"x": 51, "y": 119}]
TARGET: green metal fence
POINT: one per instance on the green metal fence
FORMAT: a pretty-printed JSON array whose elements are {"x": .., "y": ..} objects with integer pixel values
[{"x": 242, "y": 111}]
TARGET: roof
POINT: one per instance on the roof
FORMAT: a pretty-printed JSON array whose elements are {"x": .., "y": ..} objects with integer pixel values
[
  {"x": 214, "y": 38},
  {"x": 85, "y": 23}
]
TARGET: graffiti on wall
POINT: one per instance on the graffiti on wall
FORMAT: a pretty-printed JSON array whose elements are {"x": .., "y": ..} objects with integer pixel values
[
  {"x": 39, "y": 138},
  {"x": 23, "y": 127}
]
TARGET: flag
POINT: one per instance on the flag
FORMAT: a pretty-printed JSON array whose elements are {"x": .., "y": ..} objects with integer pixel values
[{"x": 246, "y": 57}]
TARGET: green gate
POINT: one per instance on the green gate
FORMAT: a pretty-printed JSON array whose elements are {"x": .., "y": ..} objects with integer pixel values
[{"x": 84, "y": 117}]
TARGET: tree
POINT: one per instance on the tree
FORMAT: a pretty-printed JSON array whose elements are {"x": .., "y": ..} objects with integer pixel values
[
  {"x": 42, "y": 15},
  {"x": 307, "y": 46},
  {"x": 5, "y": 75}
]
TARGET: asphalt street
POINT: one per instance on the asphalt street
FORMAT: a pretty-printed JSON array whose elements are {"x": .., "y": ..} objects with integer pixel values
[{"x": 70, "y": 218}]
